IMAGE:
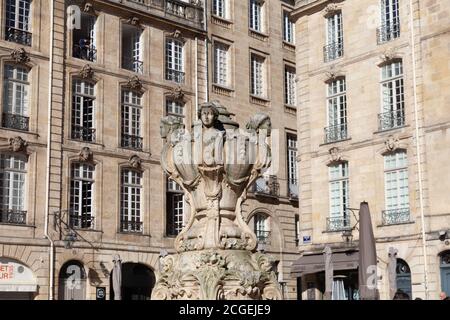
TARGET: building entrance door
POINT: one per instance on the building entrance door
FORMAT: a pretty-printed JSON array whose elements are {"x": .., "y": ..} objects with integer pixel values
[{"x": 445, "y": 272}]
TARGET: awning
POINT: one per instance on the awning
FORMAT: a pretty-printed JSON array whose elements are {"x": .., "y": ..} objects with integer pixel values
[{"x": 316, "y": 263}]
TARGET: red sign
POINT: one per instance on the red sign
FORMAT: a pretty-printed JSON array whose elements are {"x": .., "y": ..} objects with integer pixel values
[{"x": 6, "y": 272}]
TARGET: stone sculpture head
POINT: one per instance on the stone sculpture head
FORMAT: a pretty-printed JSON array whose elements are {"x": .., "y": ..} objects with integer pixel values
[
  {"x": 260, "y": 121},
  {"x": 208, "y": 114},
  {"x": 168, "y": 125}
]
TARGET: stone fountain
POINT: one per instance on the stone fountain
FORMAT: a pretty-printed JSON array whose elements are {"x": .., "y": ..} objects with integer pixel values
[{"x": 216, "y": 250}]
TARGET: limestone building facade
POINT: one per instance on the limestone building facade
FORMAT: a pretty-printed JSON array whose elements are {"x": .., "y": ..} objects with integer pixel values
[{"x": 373, "y": 121}]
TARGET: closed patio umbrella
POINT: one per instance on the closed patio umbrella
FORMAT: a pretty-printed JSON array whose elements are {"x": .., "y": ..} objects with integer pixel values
[
  {"x": 367, "y": 273},
  {"x": 117, "y": 278},
  {"x": 328, "y": 272},
  {"x": 392, "y": 271}
]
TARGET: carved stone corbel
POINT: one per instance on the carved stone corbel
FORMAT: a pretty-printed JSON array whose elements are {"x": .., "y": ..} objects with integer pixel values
[
  {"x": 176, "y": 93},
  {"x": 20, "y": 56},
  {"x": 335, "y": 155},
  {"x": 331, "y": 9},
  {"x": 86, "y": 72},
  {"x": 389, "y": 55},
  {"x": 85, "y": 154},
  {"x": 134, "y": 21},
  {"x": 17, "y": 144},
  {"x": 391, "y": 144},
  {"x": 176, "y": 35},
  {"x": 333, "y": 73},
  {"x": 135, "y": 83},
  {"x": 135, "y": 162}
]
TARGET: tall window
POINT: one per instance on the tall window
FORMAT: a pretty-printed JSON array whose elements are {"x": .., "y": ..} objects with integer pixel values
[
  {"x": 84, "y": 40},
  {"x": 289, "y": 86},
  {"x": 390, "y": 21},
  {"x": 339, "y": 197},
  {"x": 258, "y": 76},
  {"x": 335, "y": 38},
  {"x": 130, "y": 204},
  {"x": 221, "y": 64},
  {"x": 292, "y": 165},
  {"x": 220, "y": 8},
  {"x": 18, "y": 21},
  {"x": 288, "y": 28},
  {"x": 174, "y": 108},
  {"x": 337, "y": 111},
  {"x": 262, "y": 228},
  {"x": 393, "y": 100},
  {"x": 175, "y": 208},
  {"x": 81, "y": 195},
  {"x": 15, "y": 95},
  {"x": 396, "y": 188},
  {"x": 12, "y": 189},
  {"x": 256, "y": 15},
  {"x": 174, "y": 61},
  {"x": 132, "y": 51},
  {"x": 83, "y": 98},
  {"x": 131, "y": 120}
]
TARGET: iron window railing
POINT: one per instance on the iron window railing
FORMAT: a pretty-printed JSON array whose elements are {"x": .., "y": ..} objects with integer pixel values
[
  {"x": 396, "y": 216},
  {"x": 131, "y": 226},
  {"x": 175, "y": 75},
  {"x": 132, "y": 142},
  {"x": 11, "y": 216},
  {"x": 391, "y": 119},
  {"x": 266, "y": 186},
  {"x": 388, "y": 32},
  {"x": 15, "y": 121},
  {"x": 263, "y": 237},
  {"x": 338, "y": 223},
  {"x": 18, "y": 36},
  {"x": 336, "y": 133},
  {"x": 333, "y": 51},
  {"x": 82, "y": 222},
  {"x": 83, "y": 133},
  {"x": 88, "y": 52}
]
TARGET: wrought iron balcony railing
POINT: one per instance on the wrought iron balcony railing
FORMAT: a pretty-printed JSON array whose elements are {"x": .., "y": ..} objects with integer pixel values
[
  {"x": 18, "y": 36},
  {"x": 266, "y": 186},
  {"x": 338, "y": 223},
  {"x": 15, "y": 121},
  {"x": 81, "y": 221},
  {"x": 263, "y": 237},
  {"x": 131, "y": 226},
  {"x": 333, "y": 51},
  {"x": 132, "y": 142},
  {"x": 191, "y": 12},
  {"x": 83, "y": 133},
  {"x": 175, "y": 75},
  {"x": 388, "y": 32},
  {"x": 11, "y": 216},
  {"x": 133, "y": 65},
  {"x": 336, "y": 133},
  {"x": 85, "y": 52},
  {"x": 396, "y": 216},
  {"x": 391, "y": 119}
]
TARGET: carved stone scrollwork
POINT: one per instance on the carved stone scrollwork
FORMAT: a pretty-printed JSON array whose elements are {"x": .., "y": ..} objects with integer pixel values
[
  {"x": 17, "y": 144},
  {"x": 176, "y": 35},
  {"x": 20, "y": 56},
  {"x": 135, "y": 162},
  {"x": 176, "y": 93},
  {"x": 335, "y": 155},
  {"x": 134, "y": 21},
  {"x": 135, "y": 83},
  {"x": 389, "y": 55},
  {"x": 85, "y": 154},
  {"x": 331, "y": 9},
  {"x": 391, "y": 144},
  {"x": 86, "y": 72},
  {"x": 333, "y": 73}
]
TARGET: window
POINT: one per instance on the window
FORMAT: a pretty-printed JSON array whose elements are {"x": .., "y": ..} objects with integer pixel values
[
  {"x": 131, "y": 120},
  {"x": 174, "y": 108},
  {"x": 84, "y": 40},
  {"x": 81, "y": 195},
  {"x": 15, "y": 95},
  {"x": 335, "y": 39},
  {"x": 339, "y": 197},
  {"x": 12, "y": 189},
  {"x": 83, "y": 98},
  {"x": 130, "y": 204},
  {"x": 292, "y": 166},
  {"x": 174, "y": 61},
  {"x": 396, "y": 188},
  {"x": 393, "y": 100},
  {"x": 262, "y": 228},
  {"x": 390, "y": 21},
  {"x": 132, "y": 51},
  {"x": 220, "y": 8},
  {"x": 18, "y": 21},
  {"x": 258, "y": 76},
  {"x": 256, "y": 15},
  {"x": 288, "y": 28},
  {"x": 221, "y": 63},
  {"x": 337, "y": 111},
  {"x": 175, "y": 208},
  {"x": 289, "y": 86}
]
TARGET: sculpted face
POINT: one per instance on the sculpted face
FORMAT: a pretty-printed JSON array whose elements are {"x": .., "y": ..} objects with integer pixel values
[
  {"x": 266, "y": 125},
  {"x": 163, "y": 130},
  {"x": 207, "y": 117}
]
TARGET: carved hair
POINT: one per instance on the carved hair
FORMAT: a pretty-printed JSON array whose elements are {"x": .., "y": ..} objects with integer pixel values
[
  {"x": 208, "y": 105},
  {"x": 256, "y": 121}
]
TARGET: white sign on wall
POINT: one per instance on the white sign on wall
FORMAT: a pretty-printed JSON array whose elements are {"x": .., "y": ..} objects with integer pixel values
[{"x": 14, "y": 276}]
